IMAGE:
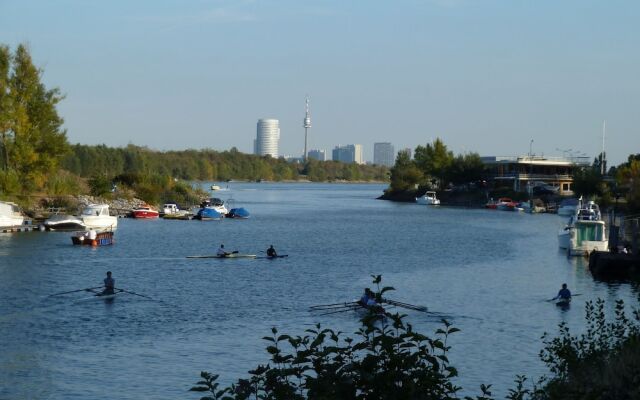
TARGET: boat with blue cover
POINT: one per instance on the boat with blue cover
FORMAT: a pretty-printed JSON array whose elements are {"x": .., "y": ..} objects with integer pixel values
[{"x": 240, "y": 212}]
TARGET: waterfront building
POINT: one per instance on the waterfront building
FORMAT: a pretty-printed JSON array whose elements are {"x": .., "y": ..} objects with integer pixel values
[
  {"x": 319, "y": 155},
  {"x": 523, "y": 173},
  {"x": 267, "y": 138},
  {"x": 384, "y": 154},
  {"x": 351, "y": 153}
]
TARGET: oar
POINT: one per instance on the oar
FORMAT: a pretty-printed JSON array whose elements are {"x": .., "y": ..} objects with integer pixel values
[
  {"x": 74, "y": 291},
  {"x": 334, "y": 308},
  {"x": 340, "y": 311},
  {"x": 405, "y": 305},
  {"x": 557, "y": 298},
  {"x": 335, "y": 304},
  {"x": 136, "y": 294}
]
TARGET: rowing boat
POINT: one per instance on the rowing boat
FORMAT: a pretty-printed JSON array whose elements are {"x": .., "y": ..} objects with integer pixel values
[
  {"x": 232, "y": 255},
  {"x": 273, "y": 257},
  {"x": 99, "y": 296}
]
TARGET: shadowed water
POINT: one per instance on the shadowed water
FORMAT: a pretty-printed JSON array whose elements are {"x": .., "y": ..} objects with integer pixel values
[{"x": 489, "y": 272}]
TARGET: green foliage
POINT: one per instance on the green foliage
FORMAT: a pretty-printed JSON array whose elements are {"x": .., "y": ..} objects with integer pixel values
[
  {"x": 465, "y": 168},
  {"x": 434, "y": 159},
  {"x": 132, "y": 161},
  {"x": 9, "y": 182},
  {"x": 99, "y": 185},
  {"x": 628, "y": 179},
  {"x": 404, "y": 174},
  {"x": 603, "y": 363},
  {"x": 587, "y": 182},
  {"x": 62, "y": 183},
  {"x": 32, "y": 140}
]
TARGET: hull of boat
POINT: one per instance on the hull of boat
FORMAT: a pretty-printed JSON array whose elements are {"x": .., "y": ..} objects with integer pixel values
[
  {"x": 233, "y": 255},
  {"x": 100, "y": 223},
  {"x": 98, "y": 297},
  {"x": 102, "y": 239},
  {"x": 240, "y": 213},
  {"x": 208, "y": 214},
  {"x": 10, "y": 215},
  {"x": 145, "y": 214}
]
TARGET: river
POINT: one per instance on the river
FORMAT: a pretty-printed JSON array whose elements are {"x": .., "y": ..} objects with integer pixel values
[{"x": 488, "y": 272}]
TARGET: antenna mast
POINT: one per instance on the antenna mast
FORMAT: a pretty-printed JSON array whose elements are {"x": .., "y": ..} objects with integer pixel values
[
  {"x": 307, "y": 125},
  {"x": 602, "y": 156}
]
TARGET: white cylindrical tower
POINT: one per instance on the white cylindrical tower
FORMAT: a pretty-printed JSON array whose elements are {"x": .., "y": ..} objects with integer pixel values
[{"x": 267, "y": 138}]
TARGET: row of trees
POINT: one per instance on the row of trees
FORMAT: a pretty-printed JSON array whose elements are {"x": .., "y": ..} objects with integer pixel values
[{"x": 207, "y": 165}]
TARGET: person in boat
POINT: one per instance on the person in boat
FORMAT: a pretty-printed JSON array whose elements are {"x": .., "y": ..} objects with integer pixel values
[
  {"x": 364, "y": 300},
  {"x": 564, "y": 294},
  {"x": 222, "y": 252},
  {"x": 271, "y": 252},
  {"x": 109, "y": 284}
]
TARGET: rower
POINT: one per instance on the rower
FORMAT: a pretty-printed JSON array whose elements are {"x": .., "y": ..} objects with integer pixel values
[
  {"x": 221, "y": 251},
  {"x": 109, "y": 284},
  {"x": 271, "y": 252},
  {"x": 365, "y": 297},
  {"x": 564, "y": 293}
]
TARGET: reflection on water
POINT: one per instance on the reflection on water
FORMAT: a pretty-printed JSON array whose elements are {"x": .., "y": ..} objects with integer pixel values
[{"x": 490, "y": 273}]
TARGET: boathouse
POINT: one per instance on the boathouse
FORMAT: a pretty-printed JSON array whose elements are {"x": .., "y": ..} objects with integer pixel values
[{"x": 525, "y": 172}]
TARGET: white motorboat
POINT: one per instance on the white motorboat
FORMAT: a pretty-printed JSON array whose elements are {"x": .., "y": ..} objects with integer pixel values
[
  {"x": 429, "y": 199},
  {"x": 10, "y": 215},
  {"x": 568, "y": 207},
  {"x": 585, "y": 231},
  {"x": 587, "y": 236},
  {"x": 96, "y": 216},
  {"x": 60, "y": 222}
]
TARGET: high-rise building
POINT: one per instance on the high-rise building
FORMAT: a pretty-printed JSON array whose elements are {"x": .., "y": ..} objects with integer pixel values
[
  {"x": 319, "y": 155},
  {"x": 267, "y": 138},
  {"x": 384, "y": 154},
  {"x": 351, "y": 153}
]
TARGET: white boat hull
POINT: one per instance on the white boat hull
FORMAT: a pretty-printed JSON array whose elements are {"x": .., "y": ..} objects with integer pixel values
[{"x": 10, "y": 215}]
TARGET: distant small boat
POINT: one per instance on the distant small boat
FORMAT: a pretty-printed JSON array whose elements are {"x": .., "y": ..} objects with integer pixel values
[
  {"x": 241, "y": 213},
  {"x": 93, "y": 238},
  {"x": 568, "y": 207},
  {"x": 64, "y": 222},
  {"x": 171, "y": 211},
  {"x": 145, "y": 211},
  {"x": 10, "y": 215},
  {"x": 96, "y": 216},
  {"x": 429, "y": 199},
  {"x": 232, "y": 255},
  {"x": 215, "y": 187}
]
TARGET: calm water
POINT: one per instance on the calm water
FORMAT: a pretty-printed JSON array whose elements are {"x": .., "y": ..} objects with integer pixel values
[{"x": 487, "y": 271}]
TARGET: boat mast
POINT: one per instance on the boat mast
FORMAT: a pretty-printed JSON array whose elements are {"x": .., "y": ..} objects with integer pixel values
[{"x": 604, "y": 128}]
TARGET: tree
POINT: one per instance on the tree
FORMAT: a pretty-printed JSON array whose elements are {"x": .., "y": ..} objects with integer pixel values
[
  {"x": 404, "y": 174},
  {"x": 628, "y": 176},
  {"x": 434, "y": 160},
  {"x": 31, "y": 134}
]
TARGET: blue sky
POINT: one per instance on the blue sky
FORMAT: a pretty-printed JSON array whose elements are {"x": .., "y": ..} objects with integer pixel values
[{"x": 485, "y": 76}]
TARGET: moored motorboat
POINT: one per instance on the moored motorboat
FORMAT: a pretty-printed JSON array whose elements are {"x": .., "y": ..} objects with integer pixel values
[
  {"x": 145, "y": 211},
  {"x": 568, "y": 207},
  {"x": 171, "y": 211},
  {"x": 64, "y": 222},
  {"x": 10, "y": 215},
  {"x": 240, "y": 212},
  {"x": 93, "y": 238},
  {"x": 429, "y": 199},
  {"x": 96, "y": 216}
]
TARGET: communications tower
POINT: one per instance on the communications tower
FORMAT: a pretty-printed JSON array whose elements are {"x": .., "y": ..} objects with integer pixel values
[{"x": 307, "y": 125}]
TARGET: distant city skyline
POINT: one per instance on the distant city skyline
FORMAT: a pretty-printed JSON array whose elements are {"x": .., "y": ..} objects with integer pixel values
[{"x": 484, "y": 76}]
